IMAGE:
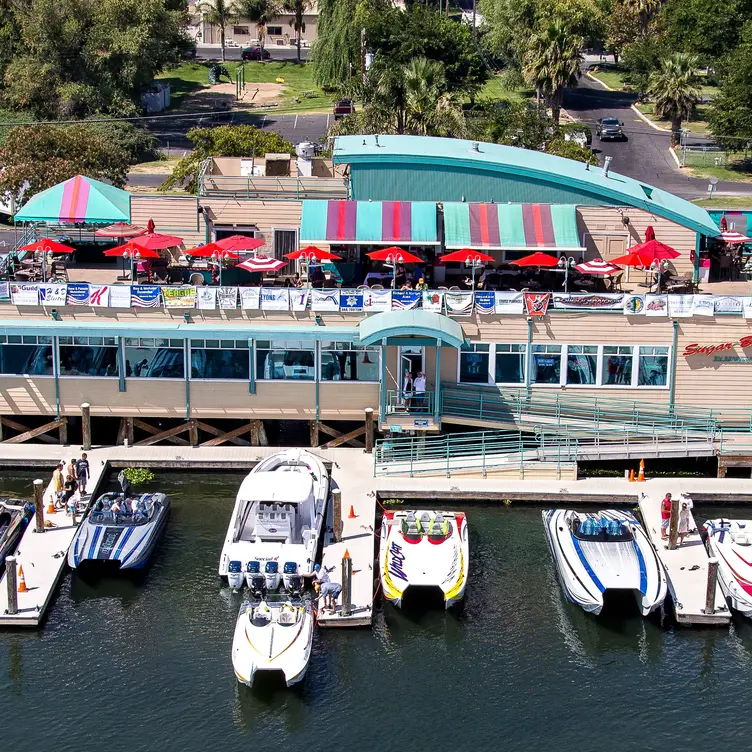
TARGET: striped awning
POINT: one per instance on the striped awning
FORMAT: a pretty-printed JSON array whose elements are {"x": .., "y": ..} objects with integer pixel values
[
  {"x": 520, "y": 227},
  {"x": 369, "y": 222}
]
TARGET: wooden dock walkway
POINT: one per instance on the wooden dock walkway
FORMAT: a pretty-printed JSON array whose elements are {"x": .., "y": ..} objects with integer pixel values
[{"x": 686, "y": 566}]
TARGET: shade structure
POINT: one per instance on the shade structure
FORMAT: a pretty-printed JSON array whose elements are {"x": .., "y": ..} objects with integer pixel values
[
  {"x": 634, "y": 258},
  {"x": 239, "y": 243},
  {"x": 312, "y": 253},
  {"x": 129, "y": 250},
  {"x": 656, "y": 250},
  {"x": 210, "y": 251},
  {"x": 649, "y": 233},
  {"x": 78, "y": 199},
  {"x": 120, "y": 230},
  {"x": 731, "y": 237},
  {"x": 156, "y": 241},
  {"x": 45, "y": 245},
  {"x": 598, "y": 266},
  {"x": 468, "y": 256},
  {"x": 261, "y": 264},
  {"x": 537, "y": 259},
  {"x": 394, "y": 255}
]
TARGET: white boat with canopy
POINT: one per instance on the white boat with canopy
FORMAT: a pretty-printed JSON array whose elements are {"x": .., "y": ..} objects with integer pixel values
[{"x": 730, "y": 541}]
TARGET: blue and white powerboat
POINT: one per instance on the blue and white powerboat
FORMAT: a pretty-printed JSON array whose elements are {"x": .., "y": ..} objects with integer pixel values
[
  {"x": 119, "y": 528},
  {"x": 603, "y": 551}
]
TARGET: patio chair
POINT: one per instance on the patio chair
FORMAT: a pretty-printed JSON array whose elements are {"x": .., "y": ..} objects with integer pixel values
[
  {"x": 616, "y": 282},
  {"x": 196, "y": 279},
  {"x": 363, "y": 287},
  {"x": 59, "y": 270},
  {"x": 441, "y": 287},
  {"x": 377, "y": 287},
  {"x": 454, "y": 287}
]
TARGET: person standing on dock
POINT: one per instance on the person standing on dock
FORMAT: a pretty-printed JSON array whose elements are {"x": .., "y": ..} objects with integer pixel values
[
  {"x": 58, "y": 484},
  {"x": 71, "y": 469},
  {"x": 683, "y": 522},
  {"x": 420, "y": 390},
  {"x": 82, "y": 470},
  {"x": 70, "y": 488},
  {"x": 665, "y": 515}
]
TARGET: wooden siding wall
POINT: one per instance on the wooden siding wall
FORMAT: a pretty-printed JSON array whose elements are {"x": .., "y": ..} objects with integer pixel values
[{"x": 173, "y": 215}]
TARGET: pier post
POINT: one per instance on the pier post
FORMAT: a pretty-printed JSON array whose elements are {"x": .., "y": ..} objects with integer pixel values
[
  {"x": 313, "y": 427},
  {"x": 193, "y": 433},
  {"x": 369, "y": 430},
  {"x": 63, "y": 430},
  {"x": 673, "y": 525},
  {"x": 39, "y": 505},
  {"x": 337, "y": 504},
  {"x": 10, "y": 577},
  {"x": 129, "y": 430},
  {"x": 86, "y": 426},
  {"x": 710, "y": 591},
  {"x": 346, "y": 585}
]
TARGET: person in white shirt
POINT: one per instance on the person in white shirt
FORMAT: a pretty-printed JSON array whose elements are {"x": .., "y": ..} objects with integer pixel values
[{"x": 419, "y": 387}]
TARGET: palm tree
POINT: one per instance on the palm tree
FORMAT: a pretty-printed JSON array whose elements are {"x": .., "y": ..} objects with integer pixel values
[
  {"x": 259, "y": 12},
  {"x": 298, "y": 9},
  {"x": 552, "y": 63},
  {"x": 645, "y": 10},
  {"x": 674, "y": 90},
  {"x": 220, "y": 13}
]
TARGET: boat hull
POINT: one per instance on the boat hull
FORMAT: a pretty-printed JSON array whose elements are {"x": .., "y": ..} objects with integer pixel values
[{"x": 724, "y": 542}]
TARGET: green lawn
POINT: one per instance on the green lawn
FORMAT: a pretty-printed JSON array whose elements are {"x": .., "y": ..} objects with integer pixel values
[
  {"x": 725, "y": 202},
  {"x": 612, "y": 76},
  {"x": 735, "y": 167},
  {"x": 697, "y": 124},
  {"x": 495, "y": 90}
]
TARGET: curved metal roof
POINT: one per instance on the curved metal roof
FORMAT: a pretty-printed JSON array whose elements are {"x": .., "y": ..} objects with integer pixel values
[{"x": 416, "y": 323}]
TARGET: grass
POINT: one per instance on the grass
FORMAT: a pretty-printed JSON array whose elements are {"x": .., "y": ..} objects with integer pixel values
[
  {"x": 698, "y": 124},
  {"x": 495, "y": 90},
  {"x": 736, "y": 167},
  {"x": 612, "y": 76},
  {"x": 725, "y": 202},
  {"x": 158, "y": 167}
]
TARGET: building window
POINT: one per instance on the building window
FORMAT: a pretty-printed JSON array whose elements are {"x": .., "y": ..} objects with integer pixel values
[
  {"x": 546, "y": 365},
  {"x": 280, "y": 360},
  {"x": 474, "y": 364},
  {"x": 274, "y": 31},
  {"x": 510, "y": 364},
  {"x": 346, "y": 361},
  {"x": 226, "y": 359},
  {"x": 617, "y": 365},
  {"x": 88, "y": 356},
  {"x": 582, "y": 364},
  {"x": 26, "y": 356},
  {"x": 154, "y": 358},
  {"x": 240, "y": 31},
  {"x": 284, "y": 241},
  {"x": 653, "y": 370}
]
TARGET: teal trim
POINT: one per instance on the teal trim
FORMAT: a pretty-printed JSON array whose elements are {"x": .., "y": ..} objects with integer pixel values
[
  {"x": 414, "y": 341},
  {"x": 252, "y": 367},
  {"x": 382, "y": 326},
  {"x": 565, "y": 226},
  {"x": 368, "y": 222},
  {"x": 187, "y": 359},
  {"x": 317, "y": 376},
  {"x": 511, "y": 228},
  {"x": 672, "y": 375},
  {"x": 527, "y": 353},
  {"x": 382, "y": 383},
  {"x": 423, "y": 224},
  {"x": 121, "y": 365},
  {"x": 438, "y": 383},
  {"x": 313, "y": 221},
  {"x": 56, "y": 372},
  {"x": 696, "y": 264},
  {"x": 457, "y": 225}
]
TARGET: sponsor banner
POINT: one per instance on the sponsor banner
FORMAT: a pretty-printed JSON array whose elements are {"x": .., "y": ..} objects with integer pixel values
[
  {"x": 406, "y": 300},
  {"x": 728, "y": 304},
  {"x": 299, "y": 299},
  {"x": 4, "y": 290},
  {"x": 680, "y": 306},
  {"x": 206, "y": 298},
  {"x": 145, "y": 296},
  {"x": 99, "y": 296},
  {"x": 433, "y": 301},
  {"x": 24, "y": 294},
  {"x": 351, "y": 301},
  {"x": 656, "y": 305},
  {"x": 77, "y": 293},
  {"x": 536, "y": 303},
  {"x": 275, "y": 299},
  {"x": 634, "y": 305},
  {"x": 459, "y": 303},
  {"x": 484, "y": 301},
  {"x": 748, "y": 308},
  {"x": 703, "y": 305},
  {"x": 250, "y": 298},
  {"x": 600, "y": 302},
  {"x": 509, "y": 302},
  {"x": 120, "y": 296},
  {"x": 227, "y": 298},
  {"x": 52, "y": 295},
  {"x": 377, "y": 300},
  {"x": 325, "y": 300},
  {"x": 179, "y": 297}
]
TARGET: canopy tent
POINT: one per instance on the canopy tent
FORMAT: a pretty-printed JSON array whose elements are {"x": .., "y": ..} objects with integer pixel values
[
  {"x": 79, "y": 199},
  {"x": 511, "y": 227},
  {"x": 412, "y": 323},
  {"x": 369, "y": 222}
]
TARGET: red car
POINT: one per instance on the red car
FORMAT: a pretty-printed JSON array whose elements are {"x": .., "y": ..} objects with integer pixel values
[{"x": 254, "y": 53}]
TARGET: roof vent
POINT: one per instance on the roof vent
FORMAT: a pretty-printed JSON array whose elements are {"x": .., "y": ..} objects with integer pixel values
[
  {"x": 606, "y": 166},
  {"x": 376, "y": 139},
  {"x": 475, "y": 147}
]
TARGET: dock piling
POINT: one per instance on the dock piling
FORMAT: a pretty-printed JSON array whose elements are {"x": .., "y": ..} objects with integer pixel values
[
  {"x": 10, "y": 577},
  {"x": 712, "y": 581},
  {"x": 369, "y": 430},
  {"x": 337, "y": 509},
  {"x": 39, "y": 504},
  {"x": 673, "y": 526},
  {"x": 347, "y": 569},
  {"x": 86, "y": 426}
]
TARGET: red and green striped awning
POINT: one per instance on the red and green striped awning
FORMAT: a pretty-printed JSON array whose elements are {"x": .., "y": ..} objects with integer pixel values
[{"x": 519, "y": 227}]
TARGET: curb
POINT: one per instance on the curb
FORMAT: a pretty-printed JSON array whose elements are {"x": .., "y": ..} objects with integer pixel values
[
  {"x": 649, "y": 121},
  {"x": 598, "y": 81},
  {"x": 673, "y": 153}
]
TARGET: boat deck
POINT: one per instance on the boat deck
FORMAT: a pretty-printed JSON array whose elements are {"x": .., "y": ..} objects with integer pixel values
[{"x": 687, "y": 567}]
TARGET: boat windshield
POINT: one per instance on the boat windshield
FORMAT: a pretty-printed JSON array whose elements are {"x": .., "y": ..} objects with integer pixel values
[
  {"x": 114, "y": 509},
  {"x": 286, "y": 612},
  {"x": 436, "y": 529},
  {"x": 600, "y": 529}
]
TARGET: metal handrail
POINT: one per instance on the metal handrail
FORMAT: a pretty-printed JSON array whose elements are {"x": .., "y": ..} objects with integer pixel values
[{"x": 399, "y": 401}]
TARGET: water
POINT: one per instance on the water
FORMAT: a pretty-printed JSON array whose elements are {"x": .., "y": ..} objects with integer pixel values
[{"x": 130, "y": 665}]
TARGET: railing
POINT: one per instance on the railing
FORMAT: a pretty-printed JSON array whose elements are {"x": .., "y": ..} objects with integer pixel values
[
  {"x": 400, "y": 402},
  {"x": 271, "y": 188}
]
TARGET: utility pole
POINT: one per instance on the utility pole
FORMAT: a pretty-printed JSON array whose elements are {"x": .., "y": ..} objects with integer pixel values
[{"x": 363, "y": 56}]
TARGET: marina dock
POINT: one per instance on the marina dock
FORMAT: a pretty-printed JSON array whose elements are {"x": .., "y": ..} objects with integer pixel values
[{"x": 686, "y": 566}]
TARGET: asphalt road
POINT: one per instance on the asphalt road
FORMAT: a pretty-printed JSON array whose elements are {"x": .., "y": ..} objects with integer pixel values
[{"x": 212, "y": 52}]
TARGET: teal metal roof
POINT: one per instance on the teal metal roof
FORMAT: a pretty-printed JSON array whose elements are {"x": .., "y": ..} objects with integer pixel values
[
  {"x": 410, "y": 324},
  {"x": 521, "y": 163}
]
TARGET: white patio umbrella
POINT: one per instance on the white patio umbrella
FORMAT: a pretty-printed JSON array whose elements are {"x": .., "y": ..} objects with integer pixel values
[
  {"x": 598, "y": 266},
  {"x": 731, "y": 237},
  {"x": 261, "y": 264}
]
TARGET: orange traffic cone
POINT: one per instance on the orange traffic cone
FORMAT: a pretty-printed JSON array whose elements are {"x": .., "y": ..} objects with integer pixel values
[
  {"x": 641, "y": 473},
  {"x": 352, "y": 514},
  {"x": 51, "y": 507},
  {"x": 346, "y": 555},
  {"x": 22, "y": 581},
  {"x": 631, "y": 476}
]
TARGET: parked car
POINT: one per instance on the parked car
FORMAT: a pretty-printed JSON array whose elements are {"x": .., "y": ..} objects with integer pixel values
[
  {"x": 254, "y": 53},
  {"x": 609, "y": 128},
  {"x": 343, "y": 108}
]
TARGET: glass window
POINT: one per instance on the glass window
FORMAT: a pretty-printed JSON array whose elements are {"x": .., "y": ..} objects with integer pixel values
[
  {"x": 617, "y": 365},
  {"x": 546, "y": 364},
  {"x": 582, "y": 364},
  {"x": 347, "y": 361},
  {"x": 510, "y": 364},
  {"x": 285, "y": 360},
  {"x": 220, "y": 364},
  {"x": 88, "y": 360},
  {"x": 474, "y": 364},
  {"x": 284, "y": 241},
  {"x": 154, "y": 362},
  {"x": 28, "y": 360},
  {"x": 653, "y": 369}
]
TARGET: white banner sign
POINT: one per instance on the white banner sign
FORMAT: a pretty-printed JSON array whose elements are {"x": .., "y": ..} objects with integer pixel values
[
  {"x": 250, "y": 298},
  {"x": 634, "y": 305},
  {"x": 227, "y": 298},
  {"x": 377, "y": 300},
  {"x": 748, "y": 308},
  {"x": 325, "y": 300},
  {"x": 99, "y": 296},
  {"x": 459, "y": 303},
  {"x": 24, "y": 294},
  {"x": 299, "y": 299},
  {"x": 509, "y": 303},
  {"x": 703, "y": 305},
  {"x": 656, "y": 305},
  {"x": 433, "y": 300},
  {"x": 53, "y": 295},
  {"x": 680, "y": 306},
  {"x": 728, "y": 304},
  {"x": 275, "y": 299},
  {"x": 206, "y": 298},
  {"x": 120, "y": 296}
]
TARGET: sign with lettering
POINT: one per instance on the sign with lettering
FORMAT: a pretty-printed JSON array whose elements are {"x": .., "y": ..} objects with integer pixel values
[
  {"x": 396, "y": 562},
  {"x": 697, "y": 349}
]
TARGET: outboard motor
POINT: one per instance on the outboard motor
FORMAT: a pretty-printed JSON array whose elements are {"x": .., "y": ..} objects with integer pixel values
[
  {"x": 257, "y": 586},
  {"x": 251, "y": 568},
  {"x": 292, "y": 581},
  {"x": 272, "y": 575},
  {"x": 235, "y": 575}
]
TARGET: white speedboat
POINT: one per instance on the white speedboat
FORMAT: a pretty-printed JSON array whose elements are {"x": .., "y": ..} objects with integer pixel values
[
  {"x": 607, "y": 550},
  {"x": 423, "y": 549},
  {"x": 730, "y": 541},
  {"x": 277, "y": 520},
  {"x": 120, "y": 529},
  {"x": 272, "y": 637}
]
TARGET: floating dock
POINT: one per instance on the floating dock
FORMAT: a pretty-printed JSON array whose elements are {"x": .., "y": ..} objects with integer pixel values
[{"x": 686, "y": 566}]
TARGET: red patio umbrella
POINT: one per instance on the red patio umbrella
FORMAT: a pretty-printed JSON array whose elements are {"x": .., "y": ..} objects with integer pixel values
[
  {"x": 311, "y": 253},
  {"x": 656, "y": 250},
  {"x": 240, "y": 243},
  {"x": 261, "y": 264},
  {"x": 598, "y": 266},
  {"x": 634, "y": 258},
  {"x": 120, "y": 230},
  {"x": 150, "y": 226},
  {"x": 393, "y": 256},
  {"x": 156, "y": 241},
  {"x": 45, "y": 245},
  {"x": 536, "y": 259},
  {"x": 132, "y": 252},
  {"x": 209, "y": 250},
  {"x": 649, "y": 233},
  {"x": 468, "y": 256},
  {"x": 731, "y": 237}
]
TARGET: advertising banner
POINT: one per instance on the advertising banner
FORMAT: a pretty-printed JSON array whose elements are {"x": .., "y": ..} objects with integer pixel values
[
  {"x": 275, "y": 299},
  {"x": 351, "y": 301},
  {"x": 145, "y": 296},
  {"x": 680, "y": 306},
  {"x": 299, "y": 299},
  {"x": 656, "y": 305},
  {"x": 459, "y": 303},
  {"x": 484, "y": 301},
  {"x": 52, "y": 295},
  {"x": 433, "y": 301},
  {"x": 509, "y": 303},
  {"x": 120, "y": 296},
  {"x": 375, "y": 301},
  {"x": 227, "y": 298},
  {"x": 536, "y": 303},
  {"x": 206, "y": 298},
  {"x": 599, "y": 302},
  {"x": 703, "y": 305},
  {"x": 406, "y": 300},
  {"x": 24, "y": 293},
  {"x": 179, "y": 297},
  {"x": 250, "y": 298}
]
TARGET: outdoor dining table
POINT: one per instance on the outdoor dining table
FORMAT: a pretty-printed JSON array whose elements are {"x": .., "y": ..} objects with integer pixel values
[{"x": 377, "y": 278}]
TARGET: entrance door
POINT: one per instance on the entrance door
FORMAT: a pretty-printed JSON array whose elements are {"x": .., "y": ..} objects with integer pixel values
[{"x": 411, "y": 360}]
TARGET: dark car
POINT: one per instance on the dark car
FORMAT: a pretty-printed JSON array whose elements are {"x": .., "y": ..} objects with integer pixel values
[
  {"x": 254, "y": 53},
  {"x": 343, "y": 108},
  {"x": 609, "y": 128}
]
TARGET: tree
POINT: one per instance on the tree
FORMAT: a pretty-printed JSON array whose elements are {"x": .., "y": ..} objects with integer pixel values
[
  {"x": 45, "y": 155},
  {"x": 641, "y": 59},
  {"x": 522, "y": 124},
  {"x": 645, "y": 10},
  {"x": 219, "y": 13},
  {"x": 674, "y": 90},
  {"x": 223, "y": 141},
  {"x": 298, "y": 9},
  {"x": 560, "y": 147},
  {"x": 553, "y": 63},
  {"x": 260, "y": 12},
  {"x": 336, "y": 52},
  {"x": 621, "y": 27}
]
